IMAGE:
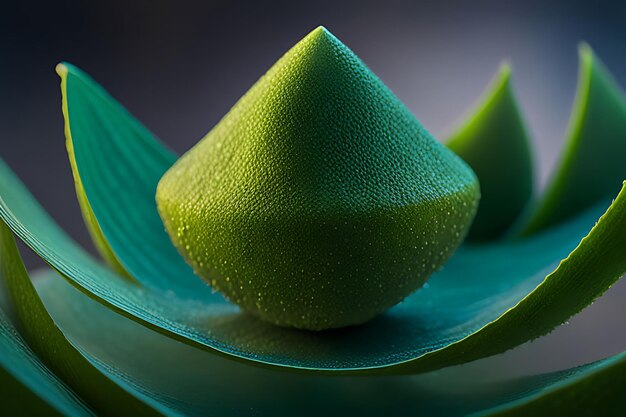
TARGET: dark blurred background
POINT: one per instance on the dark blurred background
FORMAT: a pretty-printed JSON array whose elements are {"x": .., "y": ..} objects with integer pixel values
[{"x": 180, "y": 65}]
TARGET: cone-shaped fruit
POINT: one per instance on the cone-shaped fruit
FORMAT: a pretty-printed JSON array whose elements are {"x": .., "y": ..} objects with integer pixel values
[{"x": 318, "y": 201}]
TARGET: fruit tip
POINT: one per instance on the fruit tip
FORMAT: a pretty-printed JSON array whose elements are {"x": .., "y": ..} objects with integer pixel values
[
  {"x": 321, "y": 32},
  {"x": 320, "y": 29}
]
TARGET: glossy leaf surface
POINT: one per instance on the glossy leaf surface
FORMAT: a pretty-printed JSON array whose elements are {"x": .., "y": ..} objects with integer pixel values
[
  {"x": 99, "y": 389},
  {"x": 193, "y": 383},
  {"x": 27, "y": 386},
  {"x": 96, "y": 128}
]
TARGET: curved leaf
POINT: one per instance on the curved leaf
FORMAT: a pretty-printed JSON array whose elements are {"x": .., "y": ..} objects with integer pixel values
[
  {"x": 494, "y": 142},
  {"x": 102, "y": 245},
  {"x": 592, "y": 165},
  {"x": 591, "y": 389},
  {"x": 27, "y": 387},
  {"x": 481, "y": 303},
  {"x": 99, "y": 391},
  {"x": 119, "y": 206},
  {"x": 194, "y": 383}
]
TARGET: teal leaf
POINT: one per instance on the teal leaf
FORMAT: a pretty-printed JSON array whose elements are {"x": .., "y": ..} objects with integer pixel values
[
  {"x": 191, "y": 382},
  {"x": 196, "y": 383},
  {"x": 117, "y": 195},
  {"x": 592, "y": 164},
  {"x": 486, "y": 300},
  {"x": 27, "y": 387},
  {"x": 103, "y": 395},
  {"x": 494, "y": 142},
  {"x": 588, "y": 390}
]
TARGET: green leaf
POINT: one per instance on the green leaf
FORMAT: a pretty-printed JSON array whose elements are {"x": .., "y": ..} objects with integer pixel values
[
  {"x": 102, "y": 245},
  {"x": 99, "y": 391},
  {"x": 194, "y": 383},
  {"x": 27, "y": 387},
  {"x": 486, "y": 300},
  {"x": 123, "y": 221},
  {"x": 587, "y": 390},
  {"x": 592, "y": 164},
  {"x": 494, "y": 142}
]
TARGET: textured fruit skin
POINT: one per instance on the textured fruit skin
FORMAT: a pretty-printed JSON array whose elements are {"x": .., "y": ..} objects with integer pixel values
[{"x": 318, "y": 201}]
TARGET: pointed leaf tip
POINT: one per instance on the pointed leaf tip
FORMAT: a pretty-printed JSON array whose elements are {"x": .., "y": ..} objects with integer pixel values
[
  {"x": 494, "y": 142},
  {"x": 64, "y": 68},
  {"x": 131, "y": 178},
  {"x": 584, "y": 49},
  {"x": 504, "y": 71},
  {"x": 591, "y": 165},
  {"x": 61, "y": 69}
]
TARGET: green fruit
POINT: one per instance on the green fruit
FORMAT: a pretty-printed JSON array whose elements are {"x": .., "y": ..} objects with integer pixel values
[{"x": 318, "y": 201}]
